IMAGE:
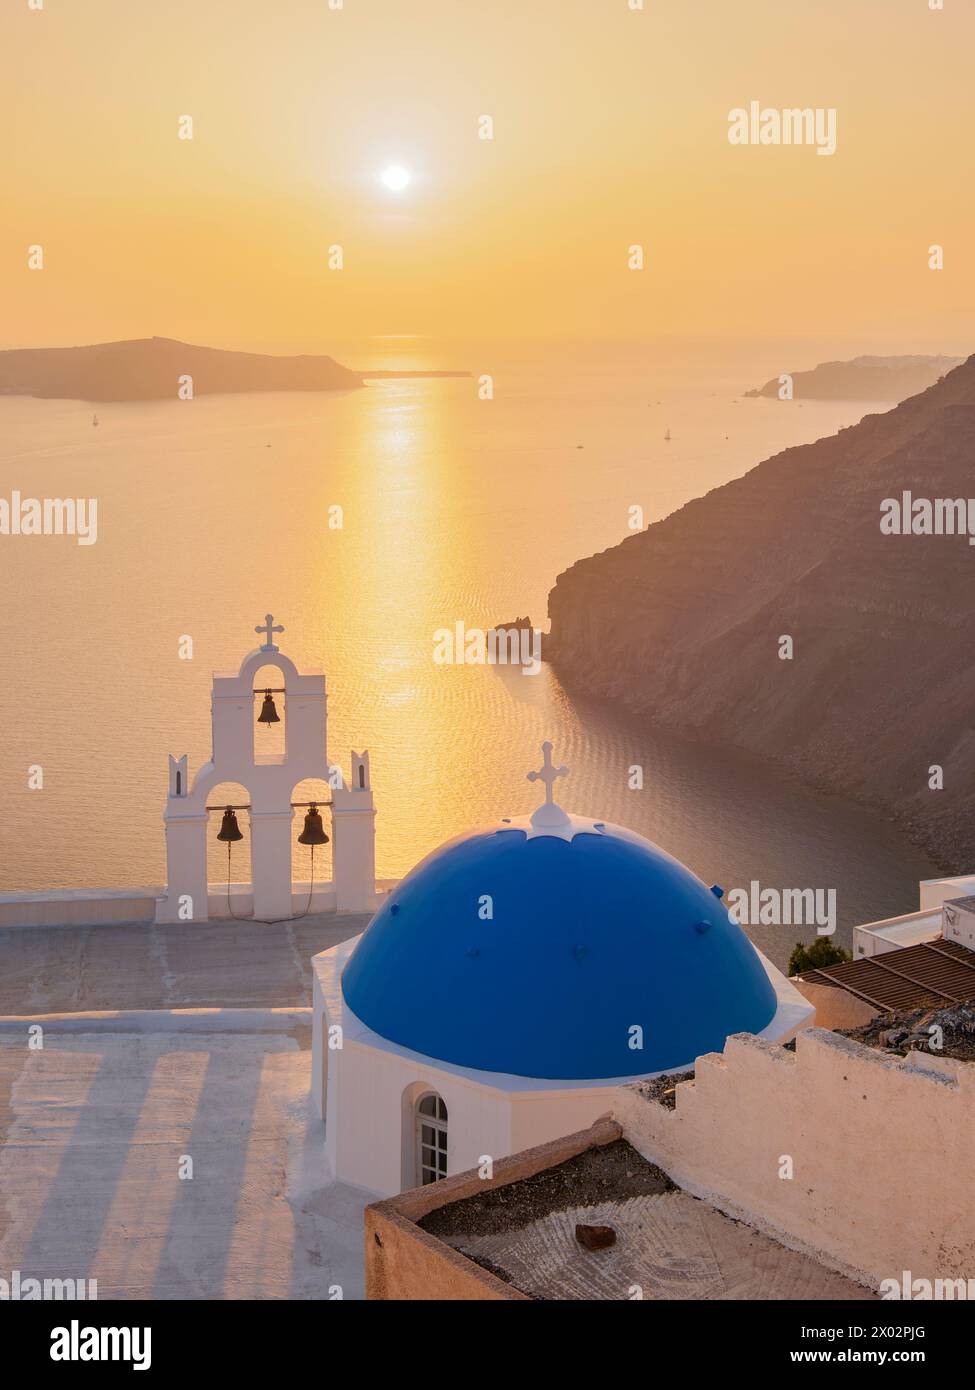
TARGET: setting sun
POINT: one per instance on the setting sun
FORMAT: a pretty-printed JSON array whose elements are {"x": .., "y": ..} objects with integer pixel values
[{"x": 396, "y": 177}]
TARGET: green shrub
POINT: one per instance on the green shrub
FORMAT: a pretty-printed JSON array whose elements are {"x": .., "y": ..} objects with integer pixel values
[{"x": 821, "y": 953}]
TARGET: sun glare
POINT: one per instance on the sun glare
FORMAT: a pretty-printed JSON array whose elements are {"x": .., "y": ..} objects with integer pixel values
[{"x": 396, "y": 177}]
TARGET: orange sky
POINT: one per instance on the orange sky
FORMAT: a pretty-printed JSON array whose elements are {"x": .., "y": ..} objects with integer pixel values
[{"x": 610, "y": 128}]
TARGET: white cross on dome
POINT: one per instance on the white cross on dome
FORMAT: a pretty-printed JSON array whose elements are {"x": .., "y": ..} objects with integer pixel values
[{"x": 548, "y": 814}]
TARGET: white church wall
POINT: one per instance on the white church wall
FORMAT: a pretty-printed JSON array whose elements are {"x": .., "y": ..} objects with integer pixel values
[
  {"x": 326, "y": 1008},
  {"x": 537, "y": 1117},
  {"x": 374, "y": 1133}
]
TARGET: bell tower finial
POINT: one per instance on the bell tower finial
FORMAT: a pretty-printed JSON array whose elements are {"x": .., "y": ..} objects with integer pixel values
[
  {"x": 548, "y": 814},
  {"x": 269, "y": 629}
]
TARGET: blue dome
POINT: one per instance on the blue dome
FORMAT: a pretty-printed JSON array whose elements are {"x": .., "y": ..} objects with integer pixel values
[{"x": 592, "y": 933}]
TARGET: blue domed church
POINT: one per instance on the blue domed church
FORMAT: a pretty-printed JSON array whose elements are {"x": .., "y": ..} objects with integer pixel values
[{"x": 511, "y": 981}]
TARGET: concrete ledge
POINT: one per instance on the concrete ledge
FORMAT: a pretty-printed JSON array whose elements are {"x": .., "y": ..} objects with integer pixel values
[
  {"x": 404, "y": 1263},
  {"x": 116, "y": 907},
  {"x": 163, "y": 1021},
  {"x": 79, "y": 907}
]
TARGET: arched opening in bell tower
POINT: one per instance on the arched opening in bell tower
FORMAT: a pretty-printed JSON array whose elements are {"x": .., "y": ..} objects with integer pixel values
[
  {"x": 237, "y": 861},
  {"x": 270, "y": 715},
  {"x": 316, "y": 790}
]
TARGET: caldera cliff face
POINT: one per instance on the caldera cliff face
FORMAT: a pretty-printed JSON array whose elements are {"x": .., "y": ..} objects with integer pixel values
[{"x": 684, "y": 621}]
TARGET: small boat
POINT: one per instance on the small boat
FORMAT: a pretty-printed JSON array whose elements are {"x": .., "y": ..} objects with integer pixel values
[
  {"x": 94, "y": 419},
  {"x": 667, "y": 436}
]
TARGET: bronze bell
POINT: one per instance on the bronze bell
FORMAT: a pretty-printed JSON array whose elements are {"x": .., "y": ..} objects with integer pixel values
[
  {"x": 268, "y": 714},
  {"x": 314, "y": 831},
  {"x": 229, "y": 830}
]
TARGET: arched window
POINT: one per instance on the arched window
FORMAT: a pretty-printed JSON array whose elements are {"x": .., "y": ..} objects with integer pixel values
[{"x": 431, "y": 1138}]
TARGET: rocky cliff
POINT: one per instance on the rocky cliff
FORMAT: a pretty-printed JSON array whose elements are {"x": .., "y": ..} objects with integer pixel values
[{"x": 683, "y": 621}]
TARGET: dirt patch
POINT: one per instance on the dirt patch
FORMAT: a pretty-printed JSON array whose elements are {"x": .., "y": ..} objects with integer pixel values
[
  {"x": 663, "y": 1089},
  {"x": 943, "y": 1030},
  {"x": 611, "y": 1172}
]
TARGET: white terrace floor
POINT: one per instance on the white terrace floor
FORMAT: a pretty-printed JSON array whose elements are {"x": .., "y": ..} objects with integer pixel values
[
  {"x": 94, "y": 1127},
  {"x": 48, "y": 970}
]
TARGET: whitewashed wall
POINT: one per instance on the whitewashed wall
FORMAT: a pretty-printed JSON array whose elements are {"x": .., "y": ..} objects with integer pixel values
[{"x": 883, "y": 1150}]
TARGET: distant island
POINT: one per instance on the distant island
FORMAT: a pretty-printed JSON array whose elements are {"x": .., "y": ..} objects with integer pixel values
[
  {"x": 686, "y": 622},
  {"x": 864, "y": 379},
  {"x": 150, "y": 369}
]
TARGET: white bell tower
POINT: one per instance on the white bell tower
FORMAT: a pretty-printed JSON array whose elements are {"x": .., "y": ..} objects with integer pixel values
[{"x": 270, "y": 785}]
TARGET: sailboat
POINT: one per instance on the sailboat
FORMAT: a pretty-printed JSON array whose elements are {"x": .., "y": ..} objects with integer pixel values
[
  {"x": 667, "y": 436},
  {"x": 94, "y": 419}
]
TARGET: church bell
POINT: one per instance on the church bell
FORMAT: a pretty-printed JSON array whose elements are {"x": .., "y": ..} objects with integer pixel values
[
  {"x": 229, "y": 830},
  {"x": 268, "y": 714},
  {"x": 314, "y": 831}
]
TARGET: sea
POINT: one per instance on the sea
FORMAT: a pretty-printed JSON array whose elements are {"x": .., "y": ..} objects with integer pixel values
[{"x": 368, "y": 521}]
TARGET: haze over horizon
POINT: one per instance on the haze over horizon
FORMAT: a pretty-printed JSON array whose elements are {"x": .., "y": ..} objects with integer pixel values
[{"x": 610, "y": 128}]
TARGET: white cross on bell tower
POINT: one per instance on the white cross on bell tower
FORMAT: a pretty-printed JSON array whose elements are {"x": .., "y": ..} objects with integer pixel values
[
  {"x": 548, "y": 814},
  {"x": 268, "y": 628}
]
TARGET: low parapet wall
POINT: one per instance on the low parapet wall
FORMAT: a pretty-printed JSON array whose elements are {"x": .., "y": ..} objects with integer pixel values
[
  {"x": 79, "y": 907},
  {"x": 115, "y": 907},
  {"x": 404, "y": 1262},
  {"x": 861, "y": 1159}
]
